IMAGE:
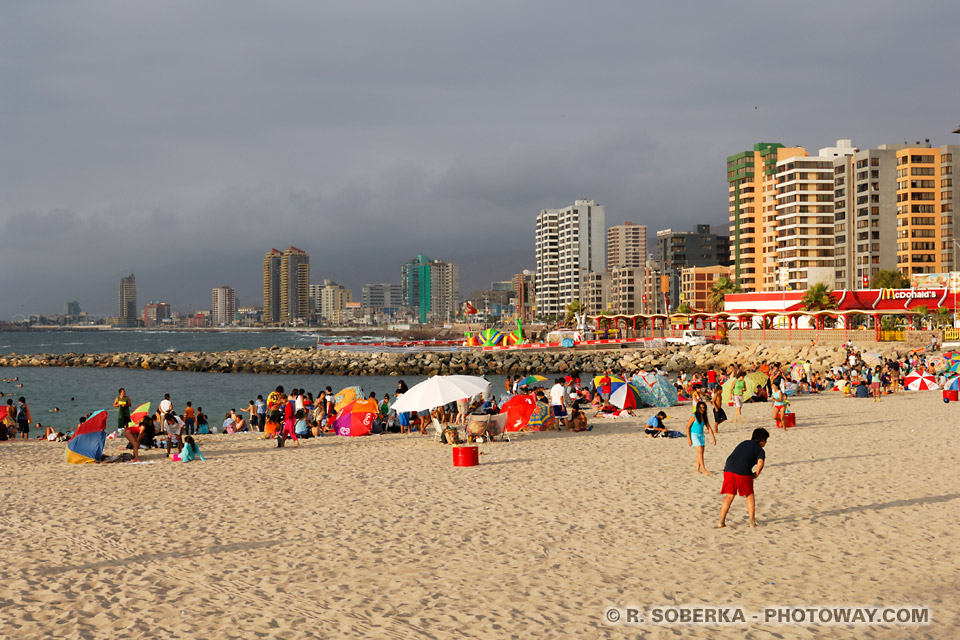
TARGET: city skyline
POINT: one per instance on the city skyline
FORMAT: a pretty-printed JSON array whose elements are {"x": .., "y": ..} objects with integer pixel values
[{"x": 178, "y": 144}]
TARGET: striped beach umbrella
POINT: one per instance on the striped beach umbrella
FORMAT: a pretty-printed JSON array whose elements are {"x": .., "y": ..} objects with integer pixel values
[
  {"x": 627, "y": 396},
  {"x": 529, "y": 380},
  {"x": 916, "y": 381},
  {"x": 541, "y": 418}
]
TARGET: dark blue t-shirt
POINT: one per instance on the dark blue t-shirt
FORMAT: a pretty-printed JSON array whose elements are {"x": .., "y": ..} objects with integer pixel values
[{"x": 744, "y": 457}]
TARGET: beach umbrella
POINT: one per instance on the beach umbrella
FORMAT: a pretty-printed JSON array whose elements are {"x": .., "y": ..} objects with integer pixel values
[
  {"x": 139, "y": 413},
  {"x": 356, "y": 419},
  {"x": 797, "y": 372},
  {"x": 871, "y": 358},
  {"x": 529, "y": 380},
  {"x": 726, "y": 390},
  {"x": 519, "y": 408},
  {"x": 345, "y": 396},
  {"x": 953, "y": 361},
  {"x": 438, "y": 391},
  {"x": 755, "y": 378},
  {"x": 953, "y": 384},
  {"x": 627, "y": 396},
  {"x": 937, "y": 364},
  {"x": 87, "y": 442},
  {"x": 541, "y": 418},
  {"x": 615, "y": 382},
  {"x": 916, "y": 381}
]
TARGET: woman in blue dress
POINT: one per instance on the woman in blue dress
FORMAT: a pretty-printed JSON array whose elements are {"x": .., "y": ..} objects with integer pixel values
[{"x": 696, "y": 437}]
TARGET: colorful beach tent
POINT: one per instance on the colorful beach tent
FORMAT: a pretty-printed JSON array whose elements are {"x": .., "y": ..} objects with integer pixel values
[
  {"x": 655, "y": 390},
  {"x": 87, "y": 442},
  {"x": 357, "y": 418},
  {"x": 490, "y": 337},
  {"x": 519, "y": 408}
]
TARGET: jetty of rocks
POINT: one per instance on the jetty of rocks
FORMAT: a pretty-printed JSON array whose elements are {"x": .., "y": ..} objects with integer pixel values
[{"x": 310, "y": 361}]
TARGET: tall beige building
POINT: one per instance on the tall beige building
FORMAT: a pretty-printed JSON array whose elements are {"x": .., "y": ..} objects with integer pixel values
[
  {"x": 865, "y": 216},
  {"x": 752, "y": 181},
  {"x": 295, "y": 285},
  {"x": 804, "y": 224},
  {"x": 926, "y": 230},
  {"x": 272, "y": 266},
  {"x": 626, "y": 245},
  {"x": 223, "y": 308}
]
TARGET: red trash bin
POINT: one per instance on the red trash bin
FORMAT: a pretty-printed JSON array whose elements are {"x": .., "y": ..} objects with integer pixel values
[{"x": 466, "y": 456}]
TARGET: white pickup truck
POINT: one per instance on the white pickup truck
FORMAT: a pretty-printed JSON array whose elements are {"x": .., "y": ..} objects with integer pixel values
[{"x": 690, "y": 338}]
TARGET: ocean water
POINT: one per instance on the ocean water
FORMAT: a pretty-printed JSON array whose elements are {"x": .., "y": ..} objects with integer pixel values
[
  {"x": 29, "y": 342},
  {"x": 77, "y": 391}
]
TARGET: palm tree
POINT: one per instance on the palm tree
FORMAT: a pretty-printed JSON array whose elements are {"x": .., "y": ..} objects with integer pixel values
[
  {"x": 923, "y": 313},
  {"x": 721, "y": 288},
  {"x": 683, "y": 307},
  {"x": 819, "y": 297},
  {"x": 943, "y": 317},
  {"x": 889, "y": 279},
  {"x": 572, "y": 309}
]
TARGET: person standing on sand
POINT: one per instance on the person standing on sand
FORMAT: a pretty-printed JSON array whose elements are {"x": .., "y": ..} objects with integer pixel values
[
  {"x": 719, "y": 415},
  {"x": 737, "y": 396},
  {"x": 123, "y": 403},
  {"x": 738, "y": 475},
  {"x": 695, "y": 436},
  {"x": 23, "y": 418}
]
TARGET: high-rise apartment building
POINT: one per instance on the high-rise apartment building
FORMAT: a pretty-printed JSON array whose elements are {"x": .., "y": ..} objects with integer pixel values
[
  {"x": 626, "y": 290},
  {"x": 154, "y": 313},
  {"x": 805, "y": 217},
  {"x": 751, "y": 176},
  {"x": 626, "y": 245},
  {"x": 382, "y": 295},
  {"x": 71, "y": 309},
  {"x": 677, "y": 250},
  {"x": 432, "y": 287},
  {"x": 925, "y": 216},
  {"x": 272, "y": 266},
  {"x": 695, "y": 285},
  {"x": 596, "y": 293},
  {"x": 333, "y": 300},
  {"x": 127, "y": 302},
  {"x": 570, "y": 243},
  {"x": 295, "y": 285},
  {"x": 865, "y": 216},
  {"x": 223, "y": 306}
]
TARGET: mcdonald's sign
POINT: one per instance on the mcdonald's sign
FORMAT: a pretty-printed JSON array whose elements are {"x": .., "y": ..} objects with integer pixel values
[{"x": 908, "y": 294}]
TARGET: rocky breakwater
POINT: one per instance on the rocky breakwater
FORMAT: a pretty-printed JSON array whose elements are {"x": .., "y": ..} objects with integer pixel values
[{"x": 276, "y": 360}]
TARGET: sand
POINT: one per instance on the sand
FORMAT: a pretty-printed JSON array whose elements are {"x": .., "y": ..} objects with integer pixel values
[{"x": 382, "y": 537}]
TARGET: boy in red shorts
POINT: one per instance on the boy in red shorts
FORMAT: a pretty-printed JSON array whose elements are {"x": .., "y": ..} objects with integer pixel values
[{"x": 738, "y": 474}]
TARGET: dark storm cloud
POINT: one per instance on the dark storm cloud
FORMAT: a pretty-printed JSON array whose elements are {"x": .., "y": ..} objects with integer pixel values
[{"x": 181, "y": 140}]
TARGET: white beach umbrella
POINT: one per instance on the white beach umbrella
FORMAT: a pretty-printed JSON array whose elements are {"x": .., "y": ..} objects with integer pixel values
[{"x": 438, "y": 391}]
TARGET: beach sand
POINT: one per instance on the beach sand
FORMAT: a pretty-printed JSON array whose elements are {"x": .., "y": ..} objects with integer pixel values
[{"x": 382, "y": 537}]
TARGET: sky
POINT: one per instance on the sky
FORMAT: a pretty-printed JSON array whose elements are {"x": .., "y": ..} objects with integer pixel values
[{"x": 181, "y": 140}]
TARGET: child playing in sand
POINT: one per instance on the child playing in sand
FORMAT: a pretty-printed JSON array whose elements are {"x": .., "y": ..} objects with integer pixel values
[
  {"x": 738, "y": 474},
  {"x": 719, "y": 415},
  {"x": 190, "y": 451}
]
